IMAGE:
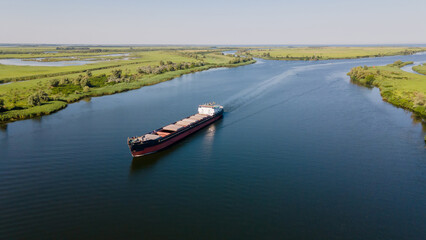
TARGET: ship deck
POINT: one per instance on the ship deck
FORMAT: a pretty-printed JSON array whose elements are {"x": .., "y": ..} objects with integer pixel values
[{"x": 171, "y": 128}]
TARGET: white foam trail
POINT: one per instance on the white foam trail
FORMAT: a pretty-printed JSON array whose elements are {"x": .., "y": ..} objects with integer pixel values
[{"x": 247, "y": 95}]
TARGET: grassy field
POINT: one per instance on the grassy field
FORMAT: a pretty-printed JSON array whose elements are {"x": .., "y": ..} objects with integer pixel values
[
  {"x": 403, "y": 89},
  {"x": 324, "y": 53},
  {"x": 420, "y": 69},
  {"x": 141, "y": 56},
  {"x": 49, "y": 89}
]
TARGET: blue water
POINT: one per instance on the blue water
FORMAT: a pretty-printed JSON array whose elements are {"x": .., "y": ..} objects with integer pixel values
[{"x": 301, "y": 153}]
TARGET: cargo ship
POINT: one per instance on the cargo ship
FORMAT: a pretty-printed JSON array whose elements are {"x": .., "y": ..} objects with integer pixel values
[{"x": 166, "y": 136}]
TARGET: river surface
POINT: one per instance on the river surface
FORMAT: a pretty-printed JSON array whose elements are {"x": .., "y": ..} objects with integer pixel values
[
  {"x": 409, "y": 68},
  {"x": 301, "y": 153}
]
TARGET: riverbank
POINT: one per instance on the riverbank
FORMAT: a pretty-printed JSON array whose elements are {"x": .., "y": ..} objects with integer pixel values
[
  {"x": 51, "y": 95},
  {"x": 327, "y": 53},
  {"x": 420, "y": 69},
  {"x": 400, "y": 88}
]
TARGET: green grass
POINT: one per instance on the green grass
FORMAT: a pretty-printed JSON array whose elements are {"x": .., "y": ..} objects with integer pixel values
[
  {"x": 402, "y": 89},
  {"x": 9, "y": 73},
  {"x": 16, "y": 94},
  {"x": 420, "y": 69},
  {"x": 324, "y": 53},
  {"x": 18, "y": 73},
  {"x": 37, "y": 111}
]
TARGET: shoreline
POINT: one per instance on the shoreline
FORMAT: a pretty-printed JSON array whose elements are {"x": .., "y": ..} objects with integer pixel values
[
  {"x": 328, "y": 53},
  {"x": 48, "y": 109},
  {"x": 325, "y": 59},
  {"x": 384, "y": 78}
]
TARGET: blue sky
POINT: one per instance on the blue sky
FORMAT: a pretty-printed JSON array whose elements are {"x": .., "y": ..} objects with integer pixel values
[{"x": 213, "y": 22}]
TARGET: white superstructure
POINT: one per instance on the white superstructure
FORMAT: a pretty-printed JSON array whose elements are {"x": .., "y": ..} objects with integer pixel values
[{"x": 209, "y": 109}]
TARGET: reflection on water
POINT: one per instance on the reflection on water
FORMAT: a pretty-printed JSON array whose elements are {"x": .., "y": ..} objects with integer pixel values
[
  {"x": 418, "y": 120},
  {"x": 209, "y": 137},
  {"x": 148, "y": 161},
  {"x": 87, "y": 99}
]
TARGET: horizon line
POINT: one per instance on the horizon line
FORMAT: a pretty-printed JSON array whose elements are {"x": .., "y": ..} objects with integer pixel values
[{"x": 202, "y": 44}]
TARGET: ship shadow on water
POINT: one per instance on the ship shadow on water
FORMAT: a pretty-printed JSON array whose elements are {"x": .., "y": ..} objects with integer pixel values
[{"x": 148, "y": 161}]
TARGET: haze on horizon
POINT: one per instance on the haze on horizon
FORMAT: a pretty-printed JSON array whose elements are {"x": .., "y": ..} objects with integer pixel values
[{"x": 213, "y": 22}]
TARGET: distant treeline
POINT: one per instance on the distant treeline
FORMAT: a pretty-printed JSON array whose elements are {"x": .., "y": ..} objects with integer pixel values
[
  {"x": 72, "y": 48},
  {"x": 168, "y": 66},
  {"x": 239, "y": 59}
]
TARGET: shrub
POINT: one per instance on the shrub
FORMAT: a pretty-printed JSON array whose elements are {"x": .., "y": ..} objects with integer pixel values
[
  {"x": 2, "y": 107},
  {"x": 369, "y": 79},
  {"x": 42, "y": 95},
  {"x": 64, "y": 81},
  {"x": 77, "y": 80},
  {"x": 54, "y": 82},
  {"x": 145, "y": 69},
  {"x": 397, "y": 63},
  {"x": 117, "y": 73},
  {"x": 86, "y": 89},
  {"x": 84, "y": 82},
  {"x": 34, "y": 100},
  {"x": 419, "y": 99}
]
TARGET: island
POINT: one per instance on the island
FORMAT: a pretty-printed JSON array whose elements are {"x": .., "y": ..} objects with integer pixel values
[{"x": 398, "y": 87}]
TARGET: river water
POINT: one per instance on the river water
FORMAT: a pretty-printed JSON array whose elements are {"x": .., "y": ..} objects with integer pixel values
[{"x": 301, "y": 153}]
